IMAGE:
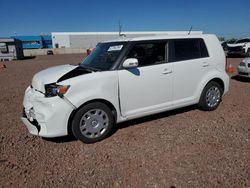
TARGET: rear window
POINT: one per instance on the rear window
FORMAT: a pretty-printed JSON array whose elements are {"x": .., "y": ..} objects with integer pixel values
[
  {"x": 242, "y": 41},
  {"x": 187, "y": 49}
]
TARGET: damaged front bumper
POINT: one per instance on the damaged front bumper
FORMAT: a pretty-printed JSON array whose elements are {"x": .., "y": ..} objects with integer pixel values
[{"x": 46, "y": 117}]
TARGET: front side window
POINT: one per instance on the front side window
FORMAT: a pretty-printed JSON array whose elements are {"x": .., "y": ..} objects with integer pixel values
[
  {"x": 104, "y": 56},
  {"x": 187, "y": 49},
  {"x": 148, "y": 53}
]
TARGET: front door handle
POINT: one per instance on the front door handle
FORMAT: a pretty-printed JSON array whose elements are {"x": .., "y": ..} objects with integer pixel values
[
  {"x": 205, "y": 64},
  {"x": 167, "y": 71}
]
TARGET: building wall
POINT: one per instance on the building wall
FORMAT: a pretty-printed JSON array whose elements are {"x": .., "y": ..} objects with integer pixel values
[
  {"x": 47, "y": 41},
  {"x": 61, "y": 40},
  {"x": 36, "y": 52},
  {"x": 86, "y": 40},
  {"x": 90, "y": 41},
  {"x": 30, "y": 42},
  {"x": 35, "y": 42}
]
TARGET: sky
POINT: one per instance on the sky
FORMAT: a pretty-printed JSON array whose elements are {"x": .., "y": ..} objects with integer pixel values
[{"x": 227, "y": 18}]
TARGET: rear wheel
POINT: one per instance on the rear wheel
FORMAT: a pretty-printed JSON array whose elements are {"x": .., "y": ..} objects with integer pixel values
[
  {"x": 211, "y": 96},
  {"x": 92, "y": 123}
]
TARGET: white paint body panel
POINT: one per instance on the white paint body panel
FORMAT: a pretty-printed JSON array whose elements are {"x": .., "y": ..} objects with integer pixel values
[
  {"x": 244, "y": 68},
  {"x": 150, "y": 87},
  {"x": 52, "y": 114},
  {"x": 50, "y": 75},
  {"x": 133, "y": 93}
]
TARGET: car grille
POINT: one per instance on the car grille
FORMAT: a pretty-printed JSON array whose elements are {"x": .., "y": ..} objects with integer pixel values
[
  {"x": 237, "y": 48},
  {"x": 243, "y": 73}
]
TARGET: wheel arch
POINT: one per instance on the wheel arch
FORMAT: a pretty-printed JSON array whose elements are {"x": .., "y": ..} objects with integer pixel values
[
  {"x": 106, "y": 102},
  {"x": 213, "y": 77},
  {"x": 219, "y": 81}
]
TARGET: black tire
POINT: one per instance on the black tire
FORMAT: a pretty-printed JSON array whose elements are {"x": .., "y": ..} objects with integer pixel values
[
  {"x": 78, "y": 127},
  {"x": 204, "y": 103}
]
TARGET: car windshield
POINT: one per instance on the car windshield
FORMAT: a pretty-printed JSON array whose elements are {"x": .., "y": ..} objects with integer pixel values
[{"x": 103, "y": 56}]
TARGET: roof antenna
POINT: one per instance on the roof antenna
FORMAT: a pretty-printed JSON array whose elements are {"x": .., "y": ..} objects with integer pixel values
[
  {"x": 190, "y": 30},
  {"x": 120, "y": 30}
]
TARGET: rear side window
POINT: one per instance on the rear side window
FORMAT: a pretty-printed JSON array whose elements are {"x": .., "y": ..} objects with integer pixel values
[{"x": 187, "y": 49}]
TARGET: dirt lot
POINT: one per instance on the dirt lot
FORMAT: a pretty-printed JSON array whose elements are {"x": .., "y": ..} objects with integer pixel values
[{"x": 180, "y": 148}]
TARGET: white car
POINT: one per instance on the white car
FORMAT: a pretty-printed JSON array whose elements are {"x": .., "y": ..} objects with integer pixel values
[
  {"x": 244, "y": 68},
  {"x": 240, "y": 47},
  {"x": 126, "y": 79}
]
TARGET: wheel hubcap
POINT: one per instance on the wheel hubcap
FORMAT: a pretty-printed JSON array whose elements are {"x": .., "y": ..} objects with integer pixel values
[
  {"x": 213, "y": 96},
  {"x": 94, "y": 123}
]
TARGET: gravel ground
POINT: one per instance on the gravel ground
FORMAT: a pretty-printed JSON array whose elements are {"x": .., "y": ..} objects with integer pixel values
[{"x": 181, "y": 148}]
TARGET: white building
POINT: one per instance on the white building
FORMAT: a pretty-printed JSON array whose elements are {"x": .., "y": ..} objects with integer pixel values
[{"x": 86, "y": 40}]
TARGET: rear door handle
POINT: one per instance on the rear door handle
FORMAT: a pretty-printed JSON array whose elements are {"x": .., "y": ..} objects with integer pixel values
[
  {"x": 167, "y": 71},
  {"x": 205, "y": 64}
]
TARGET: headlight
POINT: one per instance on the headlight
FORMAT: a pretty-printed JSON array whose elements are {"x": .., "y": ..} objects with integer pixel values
[{"x": 52, "y": 90}]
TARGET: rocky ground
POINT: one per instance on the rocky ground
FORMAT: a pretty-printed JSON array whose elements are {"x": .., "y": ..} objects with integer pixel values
[{"x": 180, "y": 148}]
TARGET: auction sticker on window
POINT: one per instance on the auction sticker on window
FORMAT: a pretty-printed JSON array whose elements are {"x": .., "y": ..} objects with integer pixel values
[{"x": 115, "y": 48}]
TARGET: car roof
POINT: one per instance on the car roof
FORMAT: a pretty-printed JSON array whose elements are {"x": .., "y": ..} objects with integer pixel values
[{"x": 158, "y": 37}]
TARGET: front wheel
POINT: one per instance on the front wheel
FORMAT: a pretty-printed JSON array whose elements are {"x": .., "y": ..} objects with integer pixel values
[
  {"x": 211, "y": 96},
  {"x": 92, "y": 123}
]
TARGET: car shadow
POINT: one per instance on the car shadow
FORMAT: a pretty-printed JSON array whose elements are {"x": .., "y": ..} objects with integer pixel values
[
  {"x": 240, "y": 79},
  {"x": 71, "y": 138},
  {"x": 153, "y": 117},
  {"x": 62, "y": 139},
  {"x": 235, "y": 56},
  {"x": 28, "y": 57}
]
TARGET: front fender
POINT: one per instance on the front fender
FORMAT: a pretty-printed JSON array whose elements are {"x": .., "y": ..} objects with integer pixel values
[{"x": 97, "y": 85}]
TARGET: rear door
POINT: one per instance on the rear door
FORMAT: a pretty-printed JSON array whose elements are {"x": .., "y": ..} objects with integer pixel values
[{"x": 190, "y": 63}]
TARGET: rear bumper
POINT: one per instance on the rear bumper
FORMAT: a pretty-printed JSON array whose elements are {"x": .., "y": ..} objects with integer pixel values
[{"x": 46, "y": 117}]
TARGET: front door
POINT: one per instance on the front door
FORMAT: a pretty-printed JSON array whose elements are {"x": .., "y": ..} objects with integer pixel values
[{"x": 147, "y": 88}]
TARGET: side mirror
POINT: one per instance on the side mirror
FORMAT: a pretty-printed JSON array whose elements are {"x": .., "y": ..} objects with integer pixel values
[{"x": 130, "y": 63}]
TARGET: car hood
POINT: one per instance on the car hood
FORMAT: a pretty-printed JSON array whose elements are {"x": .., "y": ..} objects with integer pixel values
[
  {"x": 50, "y": 75},
  {"x": 236, "y": 45}
]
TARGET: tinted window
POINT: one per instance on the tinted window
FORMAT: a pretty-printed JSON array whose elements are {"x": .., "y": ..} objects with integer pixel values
[
  {"x": 185, "y": 49},
  {"x": 243, "y": 41},
  {"x": 148, "y": 53}
]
